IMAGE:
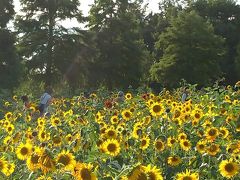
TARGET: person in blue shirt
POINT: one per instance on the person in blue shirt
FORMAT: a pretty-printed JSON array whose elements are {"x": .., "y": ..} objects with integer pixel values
[{"x": 45, "y": 101}]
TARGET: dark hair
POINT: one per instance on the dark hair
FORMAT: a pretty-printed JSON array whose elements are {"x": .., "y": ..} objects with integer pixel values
[
  {"x": 48, "y": 90},
  {"x": 24, "y": 98}
]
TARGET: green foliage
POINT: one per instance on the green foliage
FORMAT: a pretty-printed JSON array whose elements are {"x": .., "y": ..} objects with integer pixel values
[
  {"x": 6, "y": 12},
  {"x": 191, "y": 51},
  {"x": 122, "y": 56},
  {"x": 42, "y": 36},
  {"x": 225, "y": 17}
]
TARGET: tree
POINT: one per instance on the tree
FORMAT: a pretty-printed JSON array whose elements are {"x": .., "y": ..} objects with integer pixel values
[
  {"x": 9, "y": 61},
  {"x": 122, "y": 54},
  {"x": 41, "y": 34},
  {"x": 225, "y": 17},
  {"x": 191, "y": 51}
]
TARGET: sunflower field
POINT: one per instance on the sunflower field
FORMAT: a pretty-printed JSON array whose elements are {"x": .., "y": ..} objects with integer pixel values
[{"x": 141, "y": 137}]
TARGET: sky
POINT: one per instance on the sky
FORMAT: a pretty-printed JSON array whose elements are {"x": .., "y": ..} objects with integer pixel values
[{"x": 85, "y": 6}]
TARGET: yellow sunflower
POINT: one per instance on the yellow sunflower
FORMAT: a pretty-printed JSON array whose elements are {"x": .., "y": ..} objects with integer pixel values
[
  {"x": 55, "y": 121},
  {"x": 114, "y": 119},
  {"x": 211, "y": 133},
  {"x": 201, "y": 146},
  {"x": 182, "y": 136},
  {"x": 159, "y": 145},
  {"x": 153, "y": 173},
  {"x": 3, "y": 164},
  {"x": 10, "y": 167},
  {"x": 47, "y": 164},
  {"x": 228, "y": 168},
  {"x": 171, "y": 141},
  {"x": 145, "y": 141},
  {"x": 174, "y": 160},
  {"x": 66, "y": 160},
  {"x": 33, "y": 160},
  {"x": 23, "y": 151},
  {"x": 43, "y": 136},
  {"x": 213, "y": 149},
  {"x": 185, "y": 145},
  {"x": 83, "y": 171},
  {"x": 187, "y": 175},
  {"x": 156, "y": 109},
  {"x": 111, "y": 147},
  {"x": 126, "y": 114},
  {"x": 224, "y": 132},
  {"x": 128, "y": 96},
  {"x": 110, "y": 133}
]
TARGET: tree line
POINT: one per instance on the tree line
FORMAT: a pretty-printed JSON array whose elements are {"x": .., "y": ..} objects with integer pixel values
[{"x": 122, "y": 45}]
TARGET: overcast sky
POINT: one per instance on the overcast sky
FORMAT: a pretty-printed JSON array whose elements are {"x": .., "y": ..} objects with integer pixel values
[{"x": 85, "y": 6}]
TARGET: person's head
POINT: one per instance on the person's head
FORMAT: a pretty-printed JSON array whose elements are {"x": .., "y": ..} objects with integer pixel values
[
  {"x": 120, "y": 94},
  {"x": 48, "y": 90},
  {"x": 24, "y": 98}
]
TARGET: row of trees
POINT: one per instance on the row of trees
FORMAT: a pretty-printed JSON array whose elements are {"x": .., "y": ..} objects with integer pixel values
[{"x": 195, "y": 40}]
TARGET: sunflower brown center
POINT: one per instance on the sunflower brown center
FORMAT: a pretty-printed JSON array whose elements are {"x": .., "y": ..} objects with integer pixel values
[
  {"x": 64, "y": 159},
  {"x": 212, "y": 132},
  {"x": 197, "y": 116},
  {"x": 187, "y": 178},
  {"x": 159, "y": 145},
  {"x": 186, "y": 143},
  {"x": 111, "y": 147},
  {"x": 85, "y": 174},
  {"x": 144, "y": 142},
  {"x": 24, "y": 151},
  {"x": 111, "y": 133},
  {"x": 229, "y": 167},
  {"x": 156, "y": 108},
  {"x": 127, "y": 114},
  {"x": 34, "y": 159}
]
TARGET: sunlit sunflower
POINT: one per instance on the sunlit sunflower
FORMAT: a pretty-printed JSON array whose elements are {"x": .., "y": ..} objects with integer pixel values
[
  {"x": 138, "y": 173},
  {"x": 185, "y": 145},
  {"x": 211, "y": 133},
  {"x": 10, "y": 167},
  {"x": 111, "y": 147},
  {"x": 126, "y": 114},
  {"x": 201, "y": 146},
  {"x": 83, "y": 171},
  {"x": 69, "y": 138},
  {"x": 144, "y": 142},
  {"x": 10, "y": 128},
  {"x": 156, "y": 109},
  {"x": 182, "y": 136},
  {"x": 43, "y": 177},
  {"x": 228, "y": 168},
  {"x": 213, "y": 149},
  {"x": 55, "y": 121},
  {"x": 3, "y": 164},
  {"x": 114, "y": 119},
  {"x": 187, "y": 176},
  {"x": 174, "y": 160},
  {"x": 23, "y": 151},
  {"x": 224, "y": 132},
  {"x": 8, "y": 116},
  {"x": 159, "y": 145},
  {"x": 66, "y": 160},
  {"x": 43, "y": 136},
  {"x": 153, "y": 173},
  {"x": 128, "y": 96},
  {"x": 110, "y": 133}
]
